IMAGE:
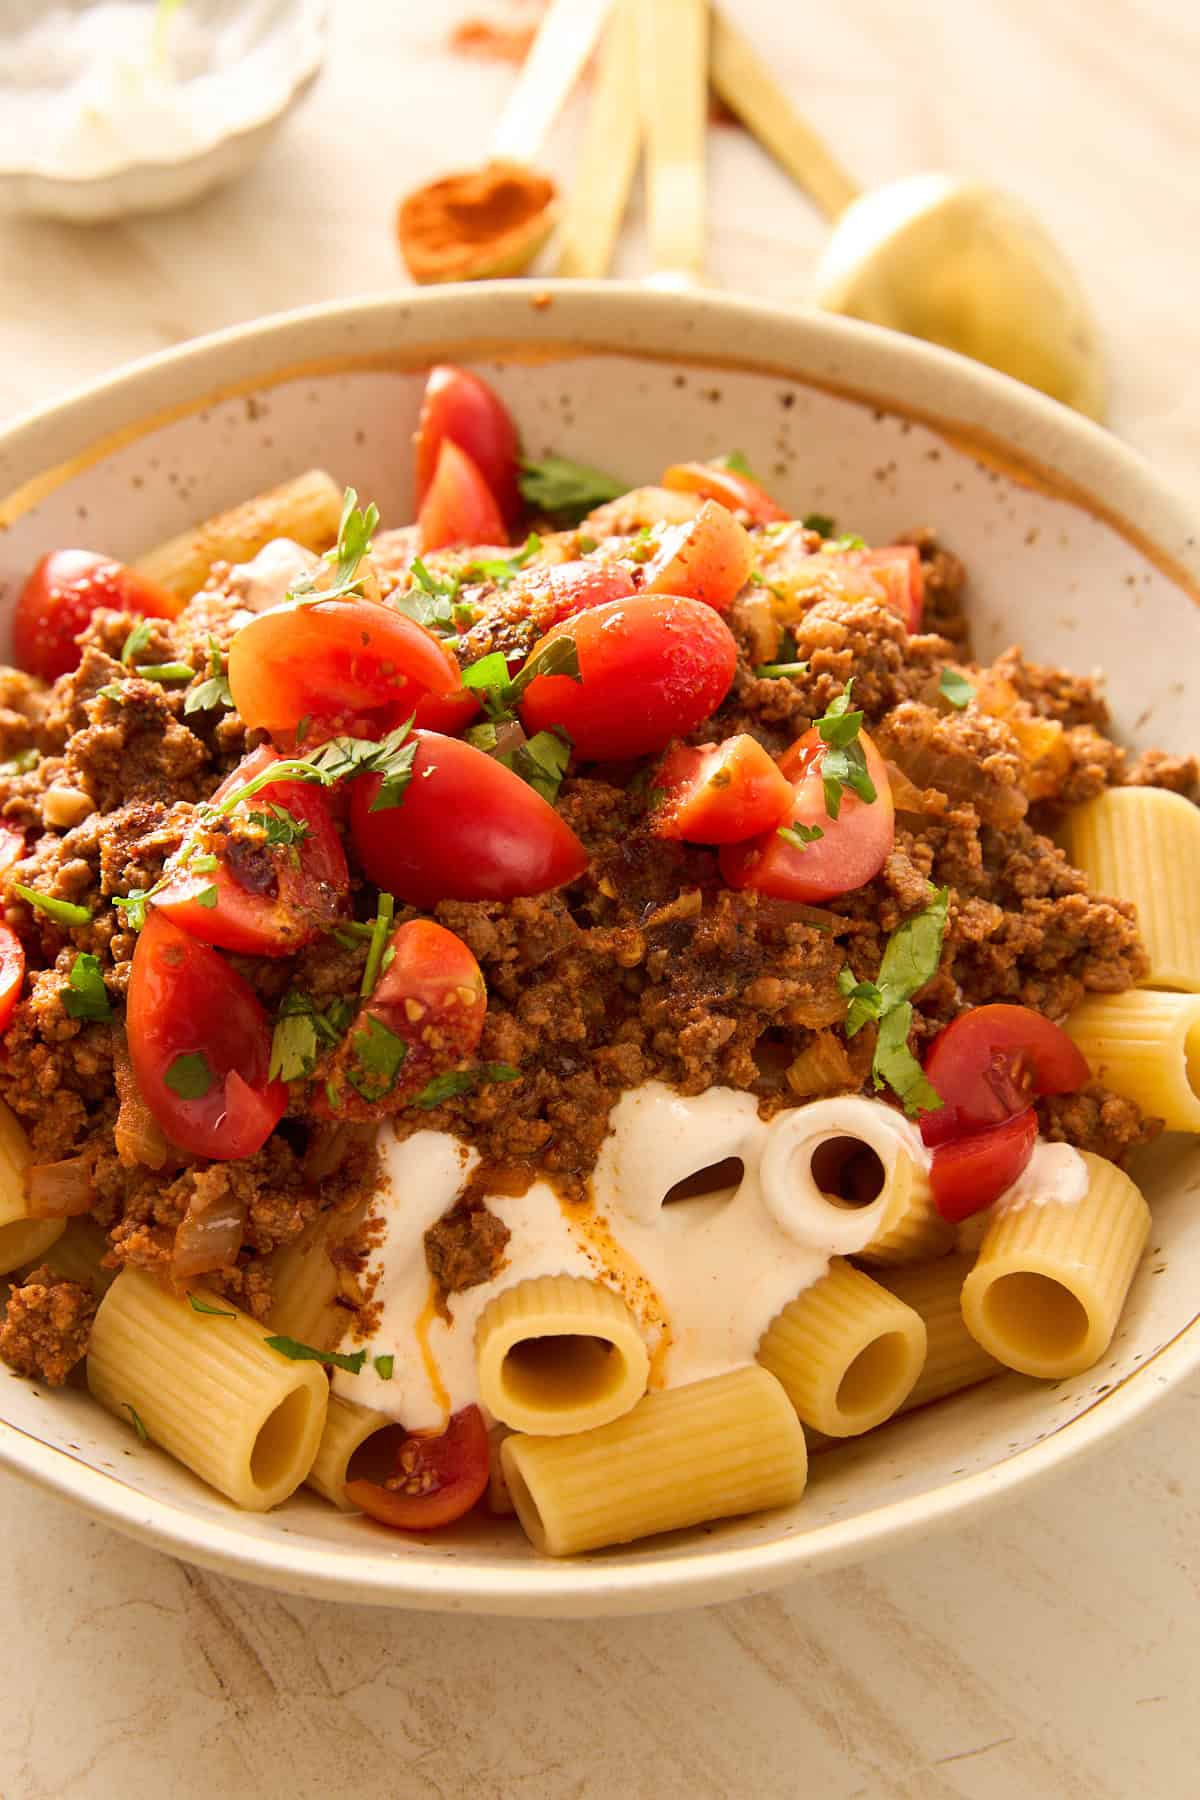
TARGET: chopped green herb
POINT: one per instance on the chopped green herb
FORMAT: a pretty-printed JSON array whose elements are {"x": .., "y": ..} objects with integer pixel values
[
  {"x": 542, "y": 762},
  {"x": 461, "y": 1081},
  {"x": 303, "y": 729},
  {"x": 910, "y": 960},
  {"x": 776, "y": 671},
  {"x": 736, "y": 460},
  {"x": 278, "y": 826},
  {"x": 85, "y": 995},
  {"x": 585, "y": 545},
  {"x": 63, "y": 912},
  {"x": 207, "y": 897},
  {"x": 844, "y": 764},
  {"x": 800, "y": 836},
  {"x": 353, "y": 543},
  {"x": 378, "y": 1054},
  {"x": 136, "y": 642},
  {"x": 488, "y": 675},
  {"x": 210, "y": 1312},
  {"x": 132, "y": 1410},
  {"x": 380, "y": 931},
  {"x": 384, "y": 1366},
  {"x": 558, "y": 656},
  {"x": 215, "y": 690},
  {"x": 851, "y": 542},
  {"x": 294, "y": 1041},
  {"x": 501, "y": 569},
  {"x": 189, "y": 1076},
  {"x": 175, "y": 671},
  {"x": 112, "y": 690},
  {"x": 132, "y": 907},
  {"x": 955, "y": 688},
  {"x": 22, "y": 762},
  {"x": 201, "y": 865},
  {"x": 337, "y": 1359},
  {"x": 333, "y": 1096},
  {"x": 566, "y": 490},
  {"x": 895, "y": 1064},
  {"x": 350, "y": 931},
  {"x": 819, "y": 522}
]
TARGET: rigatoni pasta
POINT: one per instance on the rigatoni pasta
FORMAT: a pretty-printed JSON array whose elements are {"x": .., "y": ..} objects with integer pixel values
[
  {"x": 1143, "y": 844},
  {"x": 559, "y": 1354},
  {"x": 348, "y": 1430},
  {"x": 305, "y": 509},
  {"x": 23, "y": 1239},
  {"x": 1145, "y": 1046},
  {"x": 953, "y": 1358}
]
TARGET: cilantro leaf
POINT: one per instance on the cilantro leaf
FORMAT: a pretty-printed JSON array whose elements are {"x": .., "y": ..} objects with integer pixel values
[
  {"x": 542, "y": 762},
  {"x": 384, "y": 1366},
  {"x": 293, "y": 1041},
  {"x": 558, "y": 656},
  {"x": 384, "y": 914},
  {"x": 172, "y": 671},
  {"x": 136, "y": 642},
  {"x": 895, "y": 1064},
  {"x": 955, "y": 688},
  {"x": 772, "y": 671},
  {"x": 212, "y": 1312},
  {"x": 278, "y": 826},
  {"x": 800, "y": 836},
  {"x": 214, "y": 691},
  {"x": 501, "y": 569},
  {"x": 910, "y": 960},
  {"x": 844, "y": 763},
  {"x": 487, "y": 676},
  {"x": 378, "y": 1054},
  {"x": 736, "y": 460},
  {"x": 132, "y": 1410},
  {"x": 296, "y": 1352},
  {"x": 189, "y": 1076},
  {"x": 914, "y": 949},
  {"x": 461, "y": 1081},
  {"x": 565, "y": 490},
  {"x": 85, "y": 995},
  {"x": 819, "y": 522},
  {"x": 63, "y": 912}
]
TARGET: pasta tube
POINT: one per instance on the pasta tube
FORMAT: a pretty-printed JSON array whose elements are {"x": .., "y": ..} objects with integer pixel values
[
  {"x": 846, "y": 1351},
  {"x": 208, "y": 1388},
  {"x": 348, "y": 1429},
  {"x": 22, "y": 1239},
  {"x": 77, "y": 1255},
  {"x": 306, "y": 1283},
  {"x": 1143, "y": 844},
  {"x": 953, "y": 1360},
  {"x": 684, "y": 1455},
  {"x": 559, "y": 1354},
  {"x": 1145, "y": 1046},
  {"x": 1047, "y": 1291},
  {"x": 307, "y": 509},
  {"x": 912, "y": 1229}
]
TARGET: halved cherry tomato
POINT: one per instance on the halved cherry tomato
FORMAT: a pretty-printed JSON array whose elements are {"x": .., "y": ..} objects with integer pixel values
[
  {"x": 200, "y": 1045},
  {"x": 971, "y": 1172},
  {"x": 12, "y": 973},
  {"x": 347, "y": 666},
  {"x": 437, "y": 1476},
  {"x": 268, "y": 901},
  {"x": 448, "y": 713},
  {"x": 850, "y": 850},
  {"x": 735, "y": 491},
  {"x": 459, "y": 507},
  {"x": 652, "y": 668},
  {"x": 59, "y": 598},
  {"x": 897, "y": 568},
  {"x": 12, "y": 847},
  {"x": 424, "y": 1014},
  {"x": 707, "y": 559},
  {"x": 467, "y": 828},
  {"x": 462, "y": 407},
  {"x": 721, "y": 794},
  {"x": 990, "y": 1062},
  {"x": 550, "y": 595}
]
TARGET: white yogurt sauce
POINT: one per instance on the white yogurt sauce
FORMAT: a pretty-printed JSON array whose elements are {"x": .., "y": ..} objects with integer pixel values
[
  {"x": 1055, "y": 1175},
  {"x": 265, "y": 581}
]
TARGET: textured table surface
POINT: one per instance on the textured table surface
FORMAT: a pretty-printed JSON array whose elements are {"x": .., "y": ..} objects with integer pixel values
[{"x": 1051, "y": 1653}]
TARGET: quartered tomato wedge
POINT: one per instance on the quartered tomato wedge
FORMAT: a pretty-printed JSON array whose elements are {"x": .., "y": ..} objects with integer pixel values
[
  {"x": 991, "y": 1062},
  {"x": 280, "y": 874},
  {"x": 970, "y": 1172},
  {"x": 12, "y": 973},
  {"x": 424, "y": 1014},
  {"x": 467, "y": 828},
  {"x": 200, "y": 1045},
  {"x": 59, "y": 598},
  {"x": 435, "y": 1478},
  {"x": 459, "y": 506},
  {"x": 462, "y": 407},
  {"x": 897, "y": 568},
  {"x": 707, "y": 559},
  {"x": 721, "y": 794},
  {"x": 345, "y": 666},
  {"x": 850, "y": 850},
  {"x": 12, "y": 847},
  {"x": 651, "y": 668},
  {"x": 738, "y": 492}
]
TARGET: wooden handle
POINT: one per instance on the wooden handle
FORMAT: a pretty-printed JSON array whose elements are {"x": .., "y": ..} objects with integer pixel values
[
  {"x": 673, "y": 66},
  {"x": 560, "y": 49},
  {"x": 600, "y": 190},
  {"x": 749, "y": 89}
]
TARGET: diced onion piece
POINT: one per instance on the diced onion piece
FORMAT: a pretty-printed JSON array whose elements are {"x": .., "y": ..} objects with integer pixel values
[
  {"x": 61, "y": 1190},
  {"x": 208, "y": 1240}
]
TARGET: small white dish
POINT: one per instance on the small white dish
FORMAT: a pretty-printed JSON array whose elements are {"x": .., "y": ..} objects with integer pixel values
[
  {"x": 113, "y": 107},
  {"x": 1073, "y": 546}
]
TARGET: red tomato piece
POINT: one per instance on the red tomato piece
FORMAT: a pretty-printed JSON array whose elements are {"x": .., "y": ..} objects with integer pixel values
[
  {"x": 554, "y": 594},
  {"x": 652, "y": 668},
  {"x": 851, "y": 849},
  {"x": 462, "y": 407},
  {"x": 459, "y": 507},
  {"x": 348, "y": 666},
  {"x": 12, "y": 847},
  {"x": 708, "y": 559},
  {"x": 12, "y": 973},
  {"x": 735, "y": 491},
  {"x": 59, "y": 598},
  {"x": 448, "y": 713},
  {"x": 467, "y": 828},
  {"x": 721, "y": 794},
  {"x": 971, "y": 1172},
  {"x": 990, "y": 1062},
  {"x": 436, "y": 1477},
  {"x": 424, "y": 1015},
  {"x": 200, "y": 1045},
  {"x": 897, "y": 569},
  {"x": 269, "y": 901}
]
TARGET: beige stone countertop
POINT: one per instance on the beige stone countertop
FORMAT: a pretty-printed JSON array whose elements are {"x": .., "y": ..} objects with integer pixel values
[{"x": 1052, "y": 1652}]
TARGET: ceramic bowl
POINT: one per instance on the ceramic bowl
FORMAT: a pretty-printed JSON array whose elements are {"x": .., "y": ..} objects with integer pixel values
[
  {"x": 1074, "y": 548},
  {"x": 239, "y": 70}
]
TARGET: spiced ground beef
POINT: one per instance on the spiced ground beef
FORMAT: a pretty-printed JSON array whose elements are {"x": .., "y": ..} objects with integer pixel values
[
  {"x": 645, "y": 968},
  {"x": 46, "y": 1325}
]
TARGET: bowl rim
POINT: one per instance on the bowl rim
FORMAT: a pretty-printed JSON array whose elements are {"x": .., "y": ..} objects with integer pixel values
[{"x": 1031, "y": 439}]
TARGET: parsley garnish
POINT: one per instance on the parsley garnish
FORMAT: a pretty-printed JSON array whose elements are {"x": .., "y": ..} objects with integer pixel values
[
  {"x": 844, "y": 764},
  {"x": 136, "y": 642},
  {"x": 207, "y": 897},
  {"x": 773, "y": 671},
  {"x": 378, "y": 1054},
  {"x": 299, "y": 1031},
  {"x": 214, "y": 691},
  {"x": 295, "y": 1352},
  {"x": 800, "y": 836},
  {"x": 278, "y": 826},
  {"x": 851, "y": 542},
  {"x": 85, "y": 995},
  {"x": 542, "y": 761},
  {"x": 500, "y": 693},
  {"x": 379, "y": 937},
  {"x": 430, "y": 599},
  {"x": 353, "y": 543},
  {"x": 502, "y": 569},
  {"x": 212, "y": 1312},
  {"x": 461, "y": 1081},
  {"x": 488, "y": 676},
  {"x": 189, "y": 1076},
  {"x": 384, "y": 1366},
  {"x": 132, "y": 1410},
  {"x": 565, "y": 490},
  {"x": 174, "y": 671},
  {"x": 911, "y": 959},
  {"x": 585, "y": 545},
  {"x": 63, "y": 912},
  {"x": 955, "y": 688},
  {"x": 819, "y": 522},
  {"x": 736, "y": 460}
]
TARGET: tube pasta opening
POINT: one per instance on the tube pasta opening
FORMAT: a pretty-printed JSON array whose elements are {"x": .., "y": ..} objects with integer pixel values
[
  {"x": 953, "y": 1360},
  {"x": 1143, "y": 844},
  {"x": 559, "y": 1354},
  {"x": 356, "y": 1441},
  {"x": 846, "y": 1351},
  {"x": 1146, "y": 1047},
  {"x": 1047, "y": 1290}
]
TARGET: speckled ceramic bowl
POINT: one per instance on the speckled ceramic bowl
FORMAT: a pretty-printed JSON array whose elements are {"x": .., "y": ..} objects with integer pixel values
[{"x": 1075, "y": 549}]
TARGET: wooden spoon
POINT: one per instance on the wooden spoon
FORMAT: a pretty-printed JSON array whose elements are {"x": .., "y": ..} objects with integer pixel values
[
  {"x": 956, "y": 262},
  {"x": 494, "y": 220}
]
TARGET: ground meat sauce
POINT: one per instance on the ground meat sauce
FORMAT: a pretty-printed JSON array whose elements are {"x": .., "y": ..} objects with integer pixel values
[{"x": 645, "y": 968}]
